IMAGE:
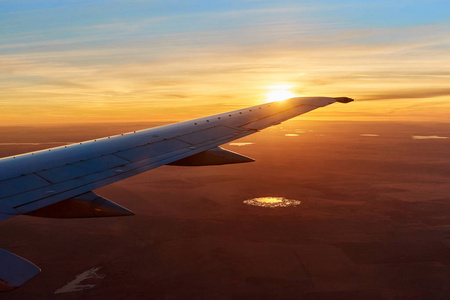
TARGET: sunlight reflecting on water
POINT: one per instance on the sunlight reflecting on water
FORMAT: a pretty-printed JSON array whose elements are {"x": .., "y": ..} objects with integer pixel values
[
  {"x": 272, "y": 202},
  {"x": 428, "y": 137},
  {"x": 240, "y": 144}
]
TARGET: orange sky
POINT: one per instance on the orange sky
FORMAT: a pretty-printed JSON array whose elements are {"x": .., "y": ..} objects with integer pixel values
[{"x": 152, "y": 69}]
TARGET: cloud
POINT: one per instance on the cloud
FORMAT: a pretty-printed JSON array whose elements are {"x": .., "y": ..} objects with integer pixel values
[{"x": 410, "y": 94}]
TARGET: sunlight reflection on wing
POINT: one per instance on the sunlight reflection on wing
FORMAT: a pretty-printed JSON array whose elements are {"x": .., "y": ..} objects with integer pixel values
[{"x": 279, "y": 93}]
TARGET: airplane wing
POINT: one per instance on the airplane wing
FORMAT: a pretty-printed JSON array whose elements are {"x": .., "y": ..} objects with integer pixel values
[{"x": 59, "y": 182}]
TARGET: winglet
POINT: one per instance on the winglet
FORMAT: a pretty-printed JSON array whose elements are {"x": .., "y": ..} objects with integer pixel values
[
  {"x": 15, "y": 271},
  {"x": 343, "y": 99}
]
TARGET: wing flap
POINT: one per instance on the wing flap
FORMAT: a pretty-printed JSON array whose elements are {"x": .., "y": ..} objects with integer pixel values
[
  {"x": 20, "y": 184},
  {"x": 216, "y": 156},
  {"x": 82, "y": 168},
  {"x": 15, "y": 270},
  {"x": 87, "y": 205}
]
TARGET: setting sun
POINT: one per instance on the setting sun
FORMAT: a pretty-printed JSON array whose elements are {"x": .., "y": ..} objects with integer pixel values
[{"x": 279, "y": 93}]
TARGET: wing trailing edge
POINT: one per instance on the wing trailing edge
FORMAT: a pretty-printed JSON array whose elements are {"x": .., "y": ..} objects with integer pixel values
[
  {"x": 87, "y": 205},
  {"x": 216, "y": 156},
  {"x": 15, "y": 271}
]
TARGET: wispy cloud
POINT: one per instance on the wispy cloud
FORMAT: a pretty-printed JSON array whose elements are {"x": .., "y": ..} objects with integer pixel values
[{"x": 423, "y": 93}]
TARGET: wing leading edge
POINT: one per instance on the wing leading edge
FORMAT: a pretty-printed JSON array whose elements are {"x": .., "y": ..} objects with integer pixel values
[{"x": 58, "y": 182}]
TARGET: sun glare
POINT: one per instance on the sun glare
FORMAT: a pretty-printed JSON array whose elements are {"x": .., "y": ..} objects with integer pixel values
[{"x": 279, "y": 93}]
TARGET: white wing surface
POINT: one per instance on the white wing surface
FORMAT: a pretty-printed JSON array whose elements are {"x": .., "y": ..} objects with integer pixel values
[{"x": 58, "y": 182}]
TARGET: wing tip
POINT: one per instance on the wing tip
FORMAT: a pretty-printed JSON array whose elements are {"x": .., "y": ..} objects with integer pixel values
[{"x": 343, "y": 99}]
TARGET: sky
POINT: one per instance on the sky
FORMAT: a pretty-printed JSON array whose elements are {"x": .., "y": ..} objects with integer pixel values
[{"x": 120, "y": 61}]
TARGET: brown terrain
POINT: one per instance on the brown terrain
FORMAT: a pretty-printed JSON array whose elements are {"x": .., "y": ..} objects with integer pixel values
[{"x": 374, "y": 222}]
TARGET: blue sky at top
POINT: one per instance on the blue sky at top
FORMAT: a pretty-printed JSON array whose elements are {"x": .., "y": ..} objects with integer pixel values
[
  {"x": 19, "y": 17},
  {"x": 100, "y": 23}
]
